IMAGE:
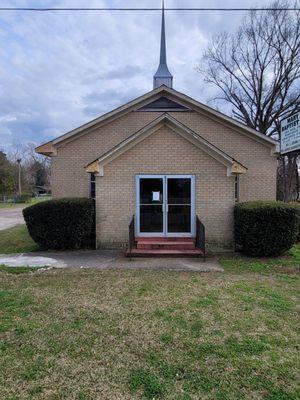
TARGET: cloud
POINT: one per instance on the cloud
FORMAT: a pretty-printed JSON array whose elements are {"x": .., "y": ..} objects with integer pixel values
[
  {"x": 99, "y": 102},
  {"x": 59, "y": 70}
]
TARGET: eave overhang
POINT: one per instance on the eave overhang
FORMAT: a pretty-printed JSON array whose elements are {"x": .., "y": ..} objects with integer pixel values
[
  {"x": 232, "y": 165},
  {"x": 47, "y": 149}
]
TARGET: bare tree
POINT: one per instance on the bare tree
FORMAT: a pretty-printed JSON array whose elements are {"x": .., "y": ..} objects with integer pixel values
[
  {"x": 35, "y": 171},
  {"x": 288, "y": 182},
  {"x": 257, "y": 70},
  {"x": 37, "y": 167},
  {"x": 6, "y": 175}
]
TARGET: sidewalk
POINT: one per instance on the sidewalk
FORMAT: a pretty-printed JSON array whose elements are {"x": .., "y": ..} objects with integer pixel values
[{"x": 108, "y": 259}]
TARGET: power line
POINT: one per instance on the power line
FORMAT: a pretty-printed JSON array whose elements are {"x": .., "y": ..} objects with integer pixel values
[{"x": 142, "y": 9}]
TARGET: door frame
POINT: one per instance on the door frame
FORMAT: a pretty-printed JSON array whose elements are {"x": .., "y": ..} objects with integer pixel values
[{"x": 165, "y": 233}]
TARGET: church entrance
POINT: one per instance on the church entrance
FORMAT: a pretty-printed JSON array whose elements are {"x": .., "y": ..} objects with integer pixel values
[{"x": 165, "y": 205}]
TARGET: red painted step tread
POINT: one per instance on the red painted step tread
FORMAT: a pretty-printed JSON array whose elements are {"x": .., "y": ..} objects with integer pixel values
[
  {"x": 164, "y": 239},
  {"x": 165, "y": 243},
  {"x": 165, "y": 251}
]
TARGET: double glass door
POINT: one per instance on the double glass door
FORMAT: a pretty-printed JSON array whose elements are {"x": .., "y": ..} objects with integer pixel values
[{"x": 165, "y": 205}]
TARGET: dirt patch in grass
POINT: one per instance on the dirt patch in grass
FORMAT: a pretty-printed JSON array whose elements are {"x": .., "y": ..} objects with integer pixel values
[
  {"x": 16, "y": 240},
  {"x": 90, "y": 334}
]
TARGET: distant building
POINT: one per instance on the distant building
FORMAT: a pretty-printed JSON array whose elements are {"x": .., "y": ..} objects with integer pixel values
[{"x": 41, "y": 190}]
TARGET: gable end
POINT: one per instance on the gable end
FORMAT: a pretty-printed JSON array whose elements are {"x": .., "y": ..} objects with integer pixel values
[{"x": 232, "y": 165}]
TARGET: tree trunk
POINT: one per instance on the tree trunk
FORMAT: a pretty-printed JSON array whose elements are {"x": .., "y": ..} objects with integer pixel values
[{"x": 288, "y": 180}]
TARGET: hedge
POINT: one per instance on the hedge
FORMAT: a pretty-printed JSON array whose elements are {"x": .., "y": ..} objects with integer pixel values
[
  {"x": 265, "y": 228},
  {"x": 67, "y": 223}
]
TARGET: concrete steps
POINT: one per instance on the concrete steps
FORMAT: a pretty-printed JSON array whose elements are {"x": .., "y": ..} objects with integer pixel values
[{"x": 165, "y": 247}]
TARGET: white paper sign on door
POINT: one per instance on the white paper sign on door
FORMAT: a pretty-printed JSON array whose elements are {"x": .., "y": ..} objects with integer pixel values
[{"x": 155, "y": 196}]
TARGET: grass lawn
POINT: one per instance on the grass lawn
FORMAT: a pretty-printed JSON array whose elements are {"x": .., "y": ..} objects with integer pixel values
[
  {"x": 30, "y": 203},
  {"x": 289, "y": 263},
  {"x": 17, "y": 270},
  {"x": 16, "y": 240},
  {"x": 88, "y": 334},
  {"x": 13, "y": 205},
  {"x": 10, "y": 205}
]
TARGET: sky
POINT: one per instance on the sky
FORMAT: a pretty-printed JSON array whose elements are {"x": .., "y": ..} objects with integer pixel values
[{"x": 59, "y": 70}]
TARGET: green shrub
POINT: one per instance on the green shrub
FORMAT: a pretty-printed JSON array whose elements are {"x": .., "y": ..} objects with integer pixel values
[
  {"x": 66, "y": 223},
  {"x": 265, "y": 228},
  {"x": 23, "y": 198}
]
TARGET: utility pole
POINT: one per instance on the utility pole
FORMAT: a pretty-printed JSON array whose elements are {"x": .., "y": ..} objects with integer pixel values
[{"x": 19, "y": 164}]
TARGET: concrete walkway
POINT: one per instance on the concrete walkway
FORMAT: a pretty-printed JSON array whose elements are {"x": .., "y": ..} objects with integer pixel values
[
  {"x": 105, "y": 259},
  {"x": 10, "y": 217}
]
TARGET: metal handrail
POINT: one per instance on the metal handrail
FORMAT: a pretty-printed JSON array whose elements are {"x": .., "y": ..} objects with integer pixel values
[
  {"x": 200, "y": 236},
  {"x": 131, "y": 236}
]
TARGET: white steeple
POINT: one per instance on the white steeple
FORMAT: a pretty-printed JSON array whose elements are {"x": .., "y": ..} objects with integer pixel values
[{"x": 163, "y": 75}]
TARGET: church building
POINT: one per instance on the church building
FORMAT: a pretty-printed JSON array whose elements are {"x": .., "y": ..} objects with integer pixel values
[{"x": 165, "y": 171}]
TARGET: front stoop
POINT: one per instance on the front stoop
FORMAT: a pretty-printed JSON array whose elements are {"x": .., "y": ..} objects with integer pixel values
[{"x": 164, "y": 247}]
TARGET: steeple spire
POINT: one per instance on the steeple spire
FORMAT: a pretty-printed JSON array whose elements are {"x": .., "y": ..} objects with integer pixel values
[{"x": 163, "y": 75}]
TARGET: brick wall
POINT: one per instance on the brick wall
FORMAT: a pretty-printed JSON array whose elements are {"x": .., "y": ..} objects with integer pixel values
[
  {"x": 68, "y": 175},
  {"x": 170, "y": 155},
  {"x": 164, "y": 152},
  {"x": 259, "y": 183}
]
